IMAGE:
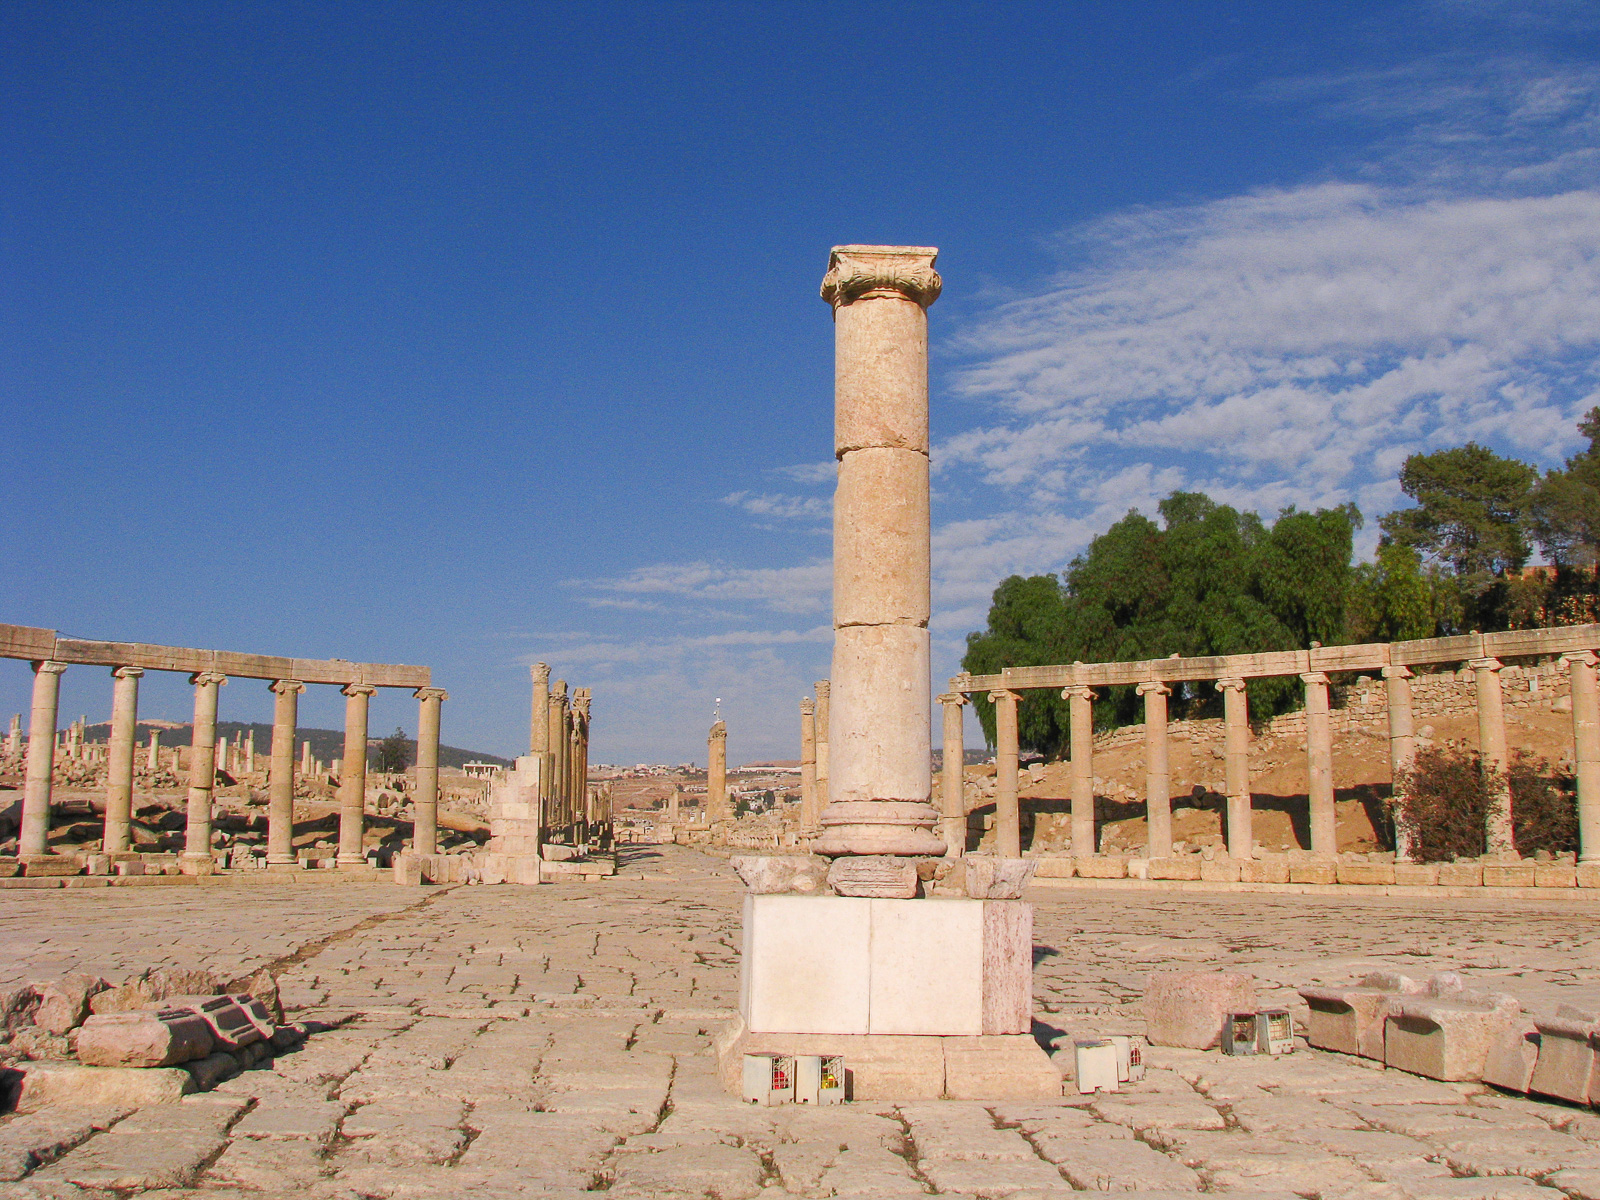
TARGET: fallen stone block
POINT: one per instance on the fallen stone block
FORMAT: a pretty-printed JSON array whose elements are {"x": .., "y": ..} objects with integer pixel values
[
  {"x": 1512, "y": 1058},
  {"x": 143, "y": 1039},
  {"x": 213, "y": 1069},
  {"x": 407, "y": 870},
  {"x": 1446, "y": 1039},
  {"x": 18, "y": 1006},
  {"x": 997, "y": 878},
  {"x": 235, "y": 1021},
  {"x": 48, "y": 1084},
  {"x": 64, "y": 1003},
  {"x": 1188, "y": 1008},
  {"x": 1342, "y": 1018},
  {"x": 803, "y": 873},
  {"x": 1567, "y": 1068}
]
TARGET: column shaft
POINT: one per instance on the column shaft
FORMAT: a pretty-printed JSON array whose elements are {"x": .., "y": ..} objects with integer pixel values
[
  {"x": 425, "y": 811},
  {"x": 1586, "y": 750},
  {"x": 119, "y": 766},
  {"x": 1319, "y": 766},
  {"x": 41, "y": 757},
  {"x": 196, "y": 857},
  {"x": 1080, "y": 730},
  {"x": 558, "y": 753},
  {"x": 824, "y": 708},
  {"x": 809, "y": 808},
  {"x": 1007, "y": 810},
  {"x": 1402, "y": 750},
  {"x": 353, "y": 776},
  {"x": 280, "y": 773},
  {"x": 1236, "y": 765},
  {"x": 1157, "y": 778},
  {"x": 952, "y": 803},
  {"x": 717, "y": 774},
  {"x": 539, "y": 722},
  {"x": 1498, "y": 830}
]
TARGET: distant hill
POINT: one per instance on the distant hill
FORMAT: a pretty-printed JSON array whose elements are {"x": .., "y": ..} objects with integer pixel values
[{"x": 326, "y": 744}]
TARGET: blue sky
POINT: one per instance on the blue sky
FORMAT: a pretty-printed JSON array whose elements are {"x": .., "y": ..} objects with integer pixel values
[{"x": 475, "y": 334}]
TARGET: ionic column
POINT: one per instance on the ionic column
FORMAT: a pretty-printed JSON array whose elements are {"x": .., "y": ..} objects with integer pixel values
[
  {"x": 952, "y": 803},
  {"x": 119, "y": 765},
  {"x": 1080, "y": 729},
  {"x": 1402, "y": 749},
  {"x": 1007, "y": 811},
  {"x": 809, "y": 809},
  {"x": 425, "y": 818},
  {"x": 1319, "y": 766},
  {"x": 717, "y": 773},
  {"x": 353, "y": 776},
  {"x": 824, "y": 711},
  {"x": 196, "y": 856},
  {"x": 280, "y": 772},
  {"x": 41, "y": 757},
  {"x": 1498, "y": 831},
  {"x": 153, "y": 761},
  {"x": 1236, "y": 765},
  {"x": 880, "y": 775},
  {"x": 1157, "y": 778}
]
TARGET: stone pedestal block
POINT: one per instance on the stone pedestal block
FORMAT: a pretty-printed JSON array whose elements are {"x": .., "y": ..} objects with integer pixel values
[
  {"x": 1446, "y": 1039},
  {"x": 1186, "y": 867},
  {"x": 1518, "y": 874},
  {"x": 1567, "y": 1068},
  {"x": 1188, "y": 1008},
  {"x": 852, "y": 965},
  {"x": 1468, "y": 874},
  {"x": 1264, "y": 870},
  {"x": 1366, "y": 872},
  {"x": 1314, "y": 871},
  {"x": 1349, "y": 1020},
  {"x": 1416, "y": 874},
  {"x": 1512, "y": 1059},
  {"x": 1556, "y": 875},
  {"x": 1108, "y": 867},
  {"x": 1221, "y": 870}
]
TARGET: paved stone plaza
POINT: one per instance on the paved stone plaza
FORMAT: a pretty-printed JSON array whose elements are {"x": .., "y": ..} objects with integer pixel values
[{"x": 547, "y": 1042}]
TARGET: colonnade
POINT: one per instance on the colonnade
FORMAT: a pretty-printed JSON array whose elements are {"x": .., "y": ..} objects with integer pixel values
[
  {"x": 558, "y": 735},
  {"x": 208, "y": 672},
  {"x": 1483, "y": 654}
]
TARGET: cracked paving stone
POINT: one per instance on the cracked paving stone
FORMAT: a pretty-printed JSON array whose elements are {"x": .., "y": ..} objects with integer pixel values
[
  {"x": 1115, "y": 1165},
  {"x": 1515, "y": 1152},
  {"x": 1245, "y": 1162},
  {"x": 262, "y": 1165},
  {"x": 1159, "y": 1112},
  {"x": 993, "y": 1178},
  {"x": 723, "y": 1171}
]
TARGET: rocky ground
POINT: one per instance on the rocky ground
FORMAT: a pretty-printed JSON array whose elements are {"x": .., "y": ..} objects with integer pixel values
[{"x": 495, "y": 1042}]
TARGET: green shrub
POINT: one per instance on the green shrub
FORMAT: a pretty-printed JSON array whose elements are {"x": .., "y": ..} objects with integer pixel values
[
  {"x": 1445, "y": 797},
  {"x": 1544, "y": 805}
]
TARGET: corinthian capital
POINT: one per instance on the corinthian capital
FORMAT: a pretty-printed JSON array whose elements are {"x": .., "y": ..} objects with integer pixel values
[{"x": 859, "y": 272}]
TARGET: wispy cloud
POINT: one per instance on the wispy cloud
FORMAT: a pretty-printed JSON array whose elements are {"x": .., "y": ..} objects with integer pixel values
[
  {"x": 782, "y": 589},
  {"x": 781, "y": 507},
  {"x": 820, "y": 472}
]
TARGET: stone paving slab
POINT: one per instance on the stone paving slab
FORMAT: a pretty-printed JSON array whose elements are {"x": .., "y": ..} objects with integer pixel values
[{"x": 554, "y": 1042}]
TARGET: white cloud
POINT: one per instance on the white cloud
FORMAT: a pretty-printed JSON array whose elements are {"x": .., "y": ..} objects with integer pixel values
[
  {"x": 821, "y": 472},
  {"x": 785, "y": 508},
  {"x": 783, "y": 589}
]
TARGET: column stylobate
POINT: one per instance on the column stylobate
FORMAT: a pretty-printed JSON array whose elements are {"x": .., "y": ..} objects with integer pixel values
[
  {"x": 119, "y": 766},
  {"x": 1319, "y": 766},
  {"x": 880, "y": 781},
  {"x": 1402, "y": 751},
  {"x": 1080, "y": 731},
  {"x": 1236, "y": 766},
  {"x": 425, "y": 812},
  {"x": 952, "y": 774},
  {"x": 1586, "y": 750},
  {"x": 1157, "y": 778},
  {"x": 35, "y": 834},
  {"x": 1498, "y": 831},
  {"x": 196, "y": 857},
  {"x": 353, "y": 776},
  {"x": 809, "y": 809},
  {"x": 1007, "y": 809},
  {"x": 539, "y": 722},
  {"x": 280, "y": 772}
]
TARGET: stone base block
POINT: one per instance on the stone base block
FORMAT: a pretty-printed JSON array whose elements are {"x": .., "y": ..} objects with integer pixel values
[
  {"x": 889, "y": 1067},
  {"x": 1461, "y": 874},
  {"x": 1447, "y": 1040},
  {"x": 1220, "y": 870},
  {"x": 1416, "y": 874},
  {"x": 1557, "y": 875},
  {"x": 579, "y": 868},
  {"x": 1314, "y": 871},
  {"x": 35, "y": 865},
  {"x": 1366, "y": 872},
  {"x": 1110, "y": 866},
  {"x": 1186, "y": 867},
  {"x": 510, "y": 868},
  {"x": 1512, "y": 1059},
  {"x": 1589, "y": 874},
  {"x": 1264, "y": 870},
  {"x": 1508, "y": 874},
  {"x": 1568, "y": 1067},
  {"x": 1055, "y": 868},
  {"x": 859, "y": 965}
]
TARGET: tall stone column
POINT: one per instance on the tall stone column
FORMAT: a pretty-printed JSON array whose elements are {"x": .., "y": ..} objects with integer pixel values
[
  {"x": 880, "y": 779},
  {"x": 952, "y": 803},
  {"x": 717, "y": 773},
  {"x": 425, "y": 812},
  {"x": 14, "y": 736},
  {"x": 1157, "y": 778},
  {"x": 1007, "y": 810},
  {"x": 305, "y": 757},
  {"x": 153, "y": 761},
  {"x": 1080, "y": 730},
  {"x": 280, "y": 772},
  {"x": 196, "y": 857},
  {"x": 809, "y": 809},
  {"x": 1402, "y": 749},
  {"x": 557, "y": 725},
  {"x": 353, "y": 776},
  {"x": 1498, "y": 831},
  {"x": 1319, "y": 766},
  {"x": 41, "y": 757},
  {"x": 119, "y": 765},
  {"x": 1236, "y": 765},
  {"x": 580, "y": 758},
  {"x": 1586, "y": 750},
  {"x": 823, "y": 689},
  {"x": 250, "y": 752},
  {"x": 539, "y": 722}
]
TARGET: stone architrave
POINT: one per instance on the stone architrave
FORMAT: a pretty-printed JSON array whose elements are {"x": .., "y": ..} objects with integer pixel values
[
  {"x": 1080, "y": 727},
  {"x": 41, "y": 757},
  {"x": 1157, "y": 778},
  {"x": 353, "y": 776},
  {"x": 280, "y": 772},
  {"x": 1236, "y": 765},
  {"x": 1007, "y": 809},
  {"x": 822, "y": 687},
  {"x": 1402, "y": 749},
  {"x": 809, "y": 808},
  {"x": 1492, "y": 747},
  {"x": 119, "y": 766},
  {"x": 1319, "y": 765},
  {"x": 717, "y": 773},
  {"x": 425, "y": 812},
  {"x": 196, "y": 857},
  {"x": 1586, "y": 750},
  {"x": 539, "y": 722},
  {"x": 880, "y": 780},
  {"x": 952, "y": 804}
]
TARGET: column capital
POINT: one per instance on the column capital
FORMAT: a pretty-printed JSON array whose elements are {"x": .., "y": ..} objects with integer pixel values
[
  {"x": 808, "y": 707},
  {"x": 955, "y": 698},
  {"x": 1314, "y": 677},
  {"x": 540, "y": 672},
  {"x": 47, "y": 667},
  {"x": 558, "y": 691},
  {"x": 1396, "y": 671},
  {"x": 1230, "y": 685},
  {"x": 719, "y": 731},
  {"x": 1081, "y": 691},
  {"x": 358, "y": 689},
  {"x": 1004, "y": 694},
  {"x": 433, "y": 693},
  {"x": 581, "y": 701},
  {"x": 869, "y": 272},
  {"x": 1485, "y": 664},
  {"x": 127, "y": 672},
  {"x": 286, "y": 687},
  {"x": 821, "y": 687},
  {"x": 1153, "y": 686},
  {"x": 201, "y": 678},
  {"x": 1587, "y": 658}
]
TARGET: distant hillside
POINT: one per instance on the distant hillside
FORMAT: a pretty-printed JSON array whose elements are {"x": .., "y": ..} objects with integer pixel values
[{"x": 326, "y": 744}]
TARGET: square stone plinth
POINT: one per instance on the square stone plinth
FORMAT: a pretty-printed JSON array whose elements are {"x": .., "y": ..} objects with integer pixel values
[{"x": 859, "y": 966}]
